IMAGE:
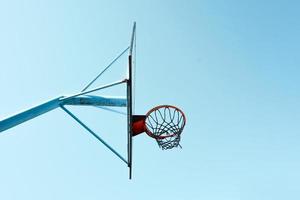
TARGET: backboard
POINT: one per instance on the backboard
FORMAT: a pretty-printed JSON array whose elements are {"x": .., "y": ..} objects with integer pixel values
[{"x": 130, "y": 95}]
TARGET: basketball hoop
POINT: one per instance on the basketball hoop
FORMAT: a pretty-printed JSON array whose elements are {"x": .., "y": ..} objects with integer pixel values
[{"x": 164, "y": 123}]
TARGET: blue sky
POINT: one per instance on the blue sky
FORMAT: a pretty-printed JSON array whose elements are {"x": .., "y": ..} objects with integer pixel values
[{"x": 232, "y": 66}]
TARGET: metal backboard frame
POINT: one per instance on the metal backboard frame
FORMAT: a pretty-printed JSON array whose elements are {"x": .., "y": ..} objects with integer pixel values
[{"x": 130, "y": 97}]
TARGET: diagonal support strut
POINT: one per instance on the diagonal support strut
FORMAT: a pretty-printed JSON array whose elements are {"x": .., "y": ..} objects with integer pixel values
[{"x": 93, "y": 133}]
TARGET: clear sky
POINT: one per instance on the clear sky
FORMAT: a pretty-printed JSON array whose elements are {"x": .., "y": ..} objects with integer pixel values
[{"x": 232, "y": 66}]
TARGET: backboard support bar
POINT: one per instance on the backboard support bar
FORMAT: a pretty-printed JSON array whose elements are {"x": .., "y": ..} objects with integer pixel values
[{"x": 93, "y": 133}]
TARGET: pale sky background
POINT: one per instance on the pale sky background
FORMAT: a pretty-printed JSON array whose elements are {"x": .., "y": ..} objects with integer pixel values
[{"x": 232, "y": 66}]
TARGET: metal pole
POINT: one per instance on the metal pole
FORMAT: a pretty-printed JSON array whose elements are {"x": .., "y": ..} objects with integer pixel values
[
  {"x": 43, "y": 108},
  {"x": 96, "y": 89},
  {"x": 94, "y": 134},
  {"x": 90, "y": 100},
  {"x": 88, "y": 85},
  {"x": 29, "y": 114}
]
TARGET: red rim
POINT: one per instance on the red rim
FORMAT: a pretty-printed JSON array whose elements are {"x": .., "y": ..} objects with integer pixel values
[{"x": 157, "y": 108}]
